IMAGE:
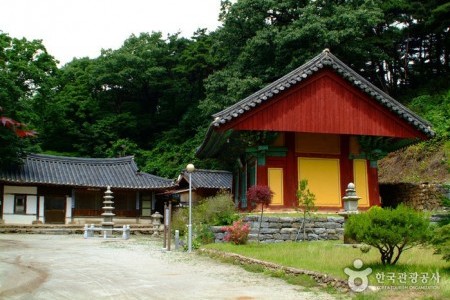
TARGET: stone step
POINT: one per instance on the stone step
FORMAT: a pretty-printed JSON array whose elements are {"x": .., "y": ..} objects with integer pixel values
[{"x": 67, "y": 229}]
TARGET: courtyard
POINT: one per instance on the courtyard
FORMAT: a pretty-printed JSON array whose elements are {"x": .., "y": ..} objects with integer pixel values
[{"x": 34, "y": 266}]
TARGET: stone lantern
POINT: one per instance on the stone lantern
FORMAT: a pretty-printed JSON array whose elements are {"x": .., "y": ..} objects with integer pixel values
[
  {"x": 350, "y": 207},
  {"x": 156, "y": 222},
  {"x": 350, "y": 199}
]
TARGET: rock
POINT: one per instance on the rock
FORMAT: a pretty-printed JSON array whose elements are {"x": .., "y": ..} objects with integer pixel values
[
  {"x": 288, "y": 230},
  {"x": 319, "y": 230}
]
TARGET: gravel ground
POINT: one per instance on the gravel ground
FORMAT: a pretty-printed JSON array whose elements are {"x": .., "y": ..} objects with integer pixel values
[{"x": 70, "y": 267}]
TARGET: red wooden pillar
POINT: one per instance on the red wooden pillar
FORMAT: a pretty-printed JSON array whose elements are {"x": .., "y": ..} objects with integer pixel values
[
  {"x": 261, "y": 175},
  {"x": 346, "y": 165},
  {"x": 372, "y": 178},
  {"x": 291, "y": 172}
]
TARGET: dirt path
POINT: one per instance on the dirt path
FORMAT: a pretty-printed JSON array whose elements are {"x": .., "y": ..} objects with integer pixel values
[{"x": 70, "y": 267}]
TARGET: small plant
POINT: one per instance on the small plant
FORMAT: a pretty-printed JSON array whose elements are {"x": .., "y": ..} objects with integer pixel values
[
  {"x": 203, "y": 234},
  {"x": 260, "y": 194},
  {"x": 237, "y": 233},
  {"x": 306, "y": 202},
  {"x": 365, "y": 248},
  {"x": 391, "y": 231}
]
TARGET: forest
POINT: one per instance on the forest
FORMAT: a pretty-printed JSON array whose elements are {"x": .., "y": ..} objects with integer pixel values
[{"x": 154, "y": 96}]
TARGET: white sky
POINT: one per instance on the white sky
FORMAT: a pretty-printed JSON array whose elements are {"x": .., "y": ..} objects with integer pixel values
[{"x": 80, "y": 28}]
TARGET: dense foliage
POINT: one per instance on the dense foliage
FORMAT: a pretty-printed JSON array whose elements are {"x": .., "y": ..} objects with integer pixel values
[
  {"x": 154, "y": 96},
  {"x": 441, "y": 241},
  {"x": 391, "y": 231},
  {"x": 212, "y": 211}
]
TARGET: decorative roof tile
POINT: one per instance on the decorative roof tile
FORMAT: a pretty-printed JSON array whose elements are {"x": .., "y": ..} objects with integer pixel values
[
  {"x": 209, "y": 179},
  {"x": 83, "y": 172}
]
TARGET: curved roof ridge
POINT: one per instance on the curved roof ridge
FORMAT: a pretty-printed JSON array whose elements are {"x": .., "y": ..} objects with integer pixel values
[
  {"x": 324, "y": 59},
  {"x": 89, "y": 160},
  {"x": 211, "y": 171},
  {"x": 119, "y": 172}
]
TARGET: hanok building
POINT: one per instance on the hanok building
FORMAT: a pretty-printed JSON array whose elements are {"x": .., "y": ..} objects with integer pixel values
[
  {"x": 204, "y": 183},
  {"x": 321, "y": 122},
  {"x": 56, "y": 189}
]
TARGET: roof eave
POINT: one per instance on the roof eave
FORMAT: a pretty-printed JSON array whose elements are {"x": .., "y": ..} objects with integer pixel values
[{"x": 325, "y": 59}]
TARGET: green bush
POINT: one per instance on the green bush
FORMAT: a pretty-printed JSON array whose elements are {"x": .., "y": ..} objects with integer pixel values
[
  {"x": 218, "y": 210},
  {"x": 391, "y": 231},
  {"x": 180, "y": 219},
  {"x": 203, "y": 234}
]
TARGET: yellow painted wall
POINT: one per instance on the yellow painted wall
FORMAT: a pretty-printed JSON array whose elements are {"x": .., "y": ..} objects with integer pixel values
[
  {"x": 323, "y": 179},
  {"x": 317, "y": 143},
  {"x": 276, "y": 185},
  {"x": 361, "y": 181}
]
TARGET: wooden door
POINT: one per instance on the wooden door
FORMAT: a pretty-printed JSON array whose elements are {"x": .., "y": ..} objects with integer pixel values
[{"x": 55, "y": 209}]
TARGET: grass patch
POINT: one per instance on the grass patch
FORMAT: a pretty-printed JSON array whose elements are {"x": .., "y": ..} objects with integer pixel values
[{"x": 332, "y": 257}]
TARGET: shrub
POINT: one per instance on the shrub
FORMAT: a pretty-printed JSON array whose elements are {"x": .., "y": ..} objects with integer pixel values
[
  {"x": 203, "y": 234},
  {"x": 180, "y": 219},
  {"x": 217, "y": 210},
  {"x": 212, "y": 211},
  {"x": 391, "y": 231},
  {"x": 237, "y": 233}
]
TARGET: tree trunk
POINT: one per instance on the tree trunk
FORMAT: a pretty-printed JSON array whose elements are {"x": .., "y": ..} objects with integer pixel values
[{"x": 260, "y": 220}]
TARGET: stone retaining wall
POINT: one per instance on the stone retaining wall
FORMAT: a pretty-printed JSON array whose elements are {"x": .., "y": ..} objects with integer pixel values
[
  {"x": 424, "y": 196},
  {"x": 280, "y": 229}
]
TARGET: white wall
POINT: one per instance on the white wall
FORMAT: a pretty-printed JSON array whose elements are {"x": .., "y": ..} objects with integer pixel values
[
  {"x": 41, "y": 208},
  {"x": 8, "y": 204},
  {"x": 18, "y": 219},
  {"x": 31, "y": 205},
  {"x": 68, "y": 210}
]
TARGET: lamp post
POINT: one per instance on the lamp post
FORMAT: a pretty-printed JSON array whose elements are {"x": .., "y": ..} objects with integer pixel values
[{"x": 190, "y": 168}]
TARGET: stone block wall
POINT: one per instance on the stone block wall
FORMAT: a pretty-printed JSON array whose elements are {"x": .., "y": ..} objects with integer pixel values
[
  {"x": 424, "y": 196},
  {"x": 280, "y": 229}
]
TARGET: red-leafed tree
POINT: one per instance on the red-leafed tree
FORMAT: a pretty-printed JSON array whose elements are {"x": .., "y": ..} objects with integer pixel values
[
  {"x": 259, "y": 194},
  {"x": 17, "y": 127},
  {"x": 12, "y": 133}
]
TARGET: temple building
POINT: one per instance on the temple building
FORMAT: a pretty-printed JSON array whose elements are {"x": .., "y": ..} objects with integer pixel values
[
  {"x": 61, "y": 190},
  {"x": 322, "y": 122}
]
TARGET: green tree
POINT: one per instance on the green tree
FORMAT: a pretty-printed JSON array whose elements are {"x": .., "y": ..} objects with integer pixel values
[
  {"x": 26, "y": 72},
  {"x": 305, "y": 200},
  {"x": 441, "y": 241},
  {"x": 391, "y": 231}
]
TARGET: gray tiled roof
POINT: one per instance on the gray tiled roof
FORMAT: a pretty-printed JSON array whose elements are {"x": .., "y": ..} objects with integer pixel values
[
  {"x": 321, "y": 61},
  {"x": 210, "y": 179},
  {"x": 83, "y": 172}
]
